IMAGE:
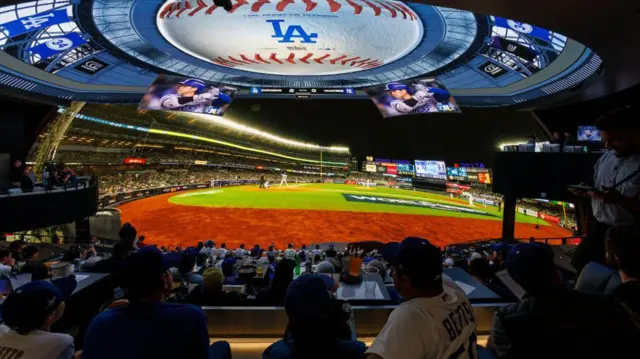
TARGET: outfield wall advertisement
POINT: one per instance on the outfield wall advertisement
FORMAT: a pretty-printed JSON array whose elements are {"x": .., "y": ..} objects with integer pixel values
[
  {"x": 412, "y": 203},
  {"x": 115, "y": 199}
]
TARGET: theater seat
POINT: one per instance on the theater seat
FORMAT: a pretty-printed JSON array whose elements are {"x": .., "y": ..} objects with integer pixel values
[{"x": 596, "y": 278}]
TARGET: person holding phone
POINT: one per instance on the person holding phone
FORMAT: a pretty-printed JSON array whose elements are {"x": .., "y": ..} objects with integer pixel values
[{"x": 615, "y": 196}]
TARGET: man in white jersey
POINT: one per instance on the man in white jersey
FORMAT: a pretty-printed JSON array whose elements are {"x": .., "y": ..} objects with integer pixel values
[
  {"x": 283, "y": 180},
  {"x": 290, "y": 252},
  {"x": 436, "y": 321},
  {"x": 28, "y": 314}
]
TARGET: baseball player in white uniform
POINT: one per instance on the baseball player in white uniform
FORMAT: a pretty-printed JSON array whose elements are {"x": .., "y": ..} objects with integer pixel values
[
  {"x": 187, "y": 97},
  {"x": 436, "y": 321},
  {"x": 422, "y": 99},
  {"x": 283, "y": 180}
]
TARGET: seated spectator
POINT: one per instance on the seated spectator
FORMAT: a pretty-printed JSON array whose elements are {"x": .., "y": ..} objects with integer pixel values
[
  {"x": 303, "y": 253},
  {"x": 448, "y": 263},
  {"x": 140, "y": 243},
  {"x": 222, "y": 251},
  {"x": 16, "y": 248},
  {"x": 498, "y": 256},
  {"x": 113, "y": 264},
  {"x": 185, "y": 272},
  {"x": 241, "y": 252},
  {"x": 228, "y": 269},
  {"x": 38, "y": 270},
  {"x": 6, "y": 264},
  {"x": 283, "y": 276},
  {"x": 290, "y": 252},
  {"x": 149, "y": 327},
  {"x": 550, "y": 317},
  {"x": 256, "y": 251},
  {"x": 90, "y": 257},
  {"x": 209, "y": 248},
  {"x": 331, "y": 252},
  {"x": 311, "y": 331},
  {"x": 325, "y": 267},
  {"x": 26, "y": 183},
  {"x": 210, "y": 292},
  {"x": 53, "y": 180},
  {"x": 28, "y": 314},
  {"x": 272, "y": 254},
  {"x": 317, "y": 252},
  {"x": 436, "y": 320},
  {"x": 622, "y": 249},
  {"x": 128, "y": 234},
  {"x": 480, "y": 269}
]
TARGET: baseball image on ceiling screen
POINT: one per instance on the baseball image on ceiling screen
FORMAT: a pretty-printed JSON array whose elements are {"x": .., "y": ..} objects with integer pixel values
[
  {"x": 175, "y": 93},
  {"x": 588, "y": 133},
  {"x": 431, "y": 169},
  {"x": 409, "y": 97}
]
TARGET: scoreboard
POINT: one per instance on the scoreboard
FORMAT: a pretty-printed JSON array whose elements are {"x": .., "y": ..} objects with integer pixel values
[
  {"x": 388, "y": 167},
  {"x": 469, "y": 174}
]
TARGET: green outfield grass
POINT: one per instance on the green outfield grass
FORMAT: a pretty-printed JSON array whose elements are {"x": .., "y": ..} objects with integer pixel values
[{"x": 330, "y": 197}]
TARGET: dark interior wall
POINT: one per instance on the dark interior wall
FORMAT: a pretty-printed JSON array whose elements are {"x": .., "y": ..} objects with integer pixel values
[
  {"x": 471, "y": 136},
  {"x": 568, "y": 118},
  {"x": 20, "y": 124}
]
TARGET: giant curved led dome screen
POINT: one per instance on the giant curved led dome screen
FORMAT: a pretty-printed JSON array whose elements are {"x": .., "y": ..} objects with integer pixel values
[{"x": 112, "y": 50}]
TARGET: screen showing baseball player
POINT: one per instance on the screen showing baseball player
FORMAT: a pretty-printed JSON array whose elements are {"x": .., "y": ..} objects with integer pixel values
[
  {"x": 173, "y": 93},
  {"x": 412, "y": 97}
]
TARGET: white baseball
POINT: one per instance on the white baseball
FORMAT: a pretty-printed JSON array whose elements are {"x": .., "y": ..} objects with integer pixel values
[{"x": 293, "y": 37}]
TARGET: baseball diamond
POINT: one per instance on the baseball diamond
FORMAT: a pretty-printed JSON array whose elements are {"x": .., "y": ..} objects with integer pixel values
[{"x": 315, "y": 213}]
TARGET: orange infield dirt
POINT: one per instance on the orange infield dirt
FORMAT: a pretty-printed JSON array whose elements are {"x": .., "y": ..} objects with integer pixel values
[{"x": 165, "y": 224}]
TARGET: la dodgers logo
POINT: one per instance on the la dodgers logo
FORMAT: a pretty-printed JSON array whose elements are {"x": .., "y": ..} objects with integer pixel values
[
  {"x": 36, "y": 22},
  {"x": 291, "y": 32}
]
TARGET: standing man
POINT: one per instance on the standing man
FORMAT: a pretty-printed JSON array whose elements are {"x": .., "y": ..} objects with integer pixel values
[
  {"x": 262, "y": 182},
  {"x": 284, "y": 179},
  {"x": 436, "y": 320},
  {"x": 615, "y": 199}
]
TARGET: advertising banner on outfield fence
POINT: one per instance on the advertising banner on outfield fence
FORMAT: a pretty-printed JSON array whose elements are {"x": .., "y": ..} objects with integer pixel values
[
  {"x": 411, "y": 203},
  {"x": 113, "y": 199},
  {"x": 528, "y": 212},
  {"x": 350, "y": 182},
  {"x": 337, "y": 181},
  {"x": 549, "y": 218},
  {"x": 134, "y": 161}
]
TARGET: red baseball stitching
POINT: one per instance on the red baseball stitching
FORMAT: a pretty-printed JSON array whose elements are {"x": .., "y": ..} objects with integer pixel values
[
  {"x": 344, "y": 60},
  {"x": 179, "y": 7}
]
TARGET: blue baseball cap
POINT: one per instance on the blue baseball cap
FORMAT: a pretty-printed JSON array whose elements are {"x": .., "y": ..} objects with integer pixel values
[
  {"x": 530, "y": 263},
  {"x": 501, "y": 247},
  {"x": 415, "y": 257},
  {"x": 224, "y": 97},
  {"x": 199, "y": 84},
  {"x": 146, "y": 262},
  {"x": 396, "y": 86},
  {"x": 308, "y": 297},
  {"x": 32, "y": 302}
]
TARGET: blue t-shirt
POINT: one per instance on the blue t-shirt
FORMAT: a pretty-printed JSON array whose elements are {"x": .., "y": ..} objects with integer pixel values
[{"x": 148, "y": 330}]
